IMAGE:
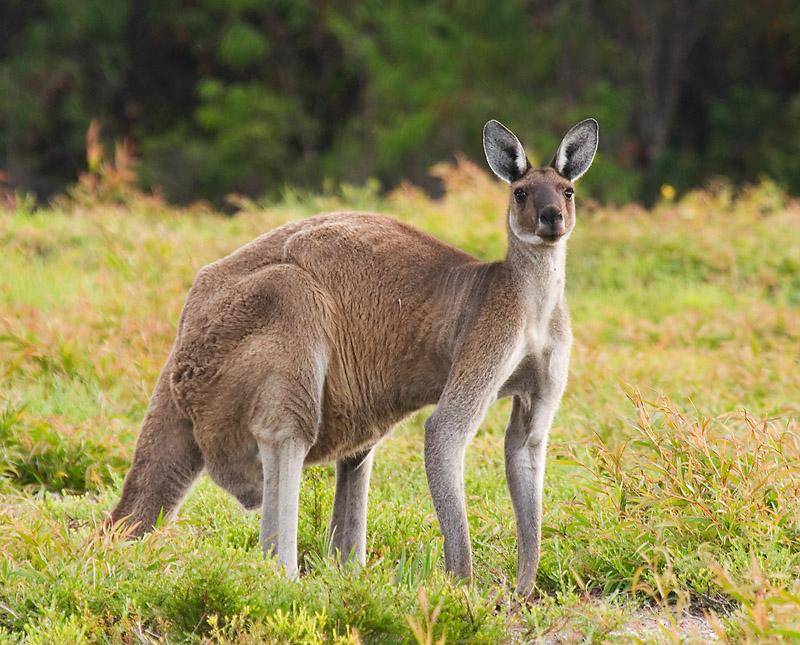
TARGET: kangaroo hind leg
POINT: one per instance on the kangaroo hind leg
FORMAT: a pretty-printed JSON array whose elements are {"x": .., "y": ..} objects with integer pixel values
[
  {"x": 285, "y": 432},
  {"x": 348, "y": 529}
]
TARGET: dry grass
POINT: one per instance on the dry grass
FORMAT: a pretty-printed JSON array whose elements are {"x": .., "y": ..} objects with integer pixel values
[{"x": 674, "y": 472}]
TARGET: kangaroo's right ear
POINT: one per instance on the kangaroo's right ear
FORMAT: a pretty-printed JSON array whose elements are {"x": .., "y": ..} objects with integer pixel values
[
  {"x": 577, "y": 150},
  {"x": 504, "y": 152}
]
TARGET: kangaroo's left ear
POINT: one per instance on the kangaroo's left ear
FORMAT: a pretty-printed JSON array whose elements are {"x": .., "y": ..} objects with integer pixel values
[{"x": 577, "y": 149}]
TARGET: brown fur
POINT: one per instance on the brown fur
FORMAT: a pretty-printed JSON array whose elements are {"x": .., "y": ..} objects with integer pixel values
[{"x": 325, "y": 333}]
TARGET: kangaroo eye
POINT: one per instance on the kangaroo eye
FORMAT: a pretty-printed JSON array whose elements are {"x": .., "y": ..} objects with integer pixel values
[
  {"x": 568, "y": 193},
  {"x": 520, "y": 195}
]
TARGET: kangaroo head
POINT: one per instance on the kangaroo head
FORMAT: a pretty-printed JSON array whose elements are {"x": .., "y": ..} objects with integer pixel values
[{"x": 541, "y": 206}]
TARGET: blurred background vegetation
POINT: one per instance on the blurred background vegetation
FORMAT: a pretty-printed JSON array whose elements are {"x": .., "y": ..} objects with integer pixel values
[{"x": 252, "y": 96}]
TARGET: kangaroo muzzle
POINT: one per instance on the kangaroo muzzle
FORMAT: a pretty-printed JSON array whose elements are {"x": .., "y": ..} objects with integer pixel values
[{"x": 550, "y": 225}]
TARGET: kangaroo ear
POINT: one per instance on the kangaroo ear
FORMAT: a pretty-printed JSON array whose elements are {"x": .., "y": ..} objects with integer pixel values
[
  {"x": 504, "y": 152},
  {"x": 577, "y": 149}
]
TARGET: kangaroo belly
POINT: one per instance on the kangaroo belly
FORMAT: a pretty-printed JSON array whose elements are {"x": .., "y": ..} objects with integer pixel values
[{"x": 360, "y": 406}]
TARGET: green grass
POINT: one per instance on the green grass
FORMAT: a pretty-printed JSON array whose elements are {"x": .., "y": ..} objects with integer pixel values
[{"x": 673, "y": 480}]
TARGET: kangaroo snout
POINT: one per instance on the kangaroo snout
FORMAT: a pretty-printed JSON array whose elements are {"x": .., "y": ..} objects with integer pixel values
[
  {"x": 551, "y": 223},
  {"x": 551, "y": 216}
]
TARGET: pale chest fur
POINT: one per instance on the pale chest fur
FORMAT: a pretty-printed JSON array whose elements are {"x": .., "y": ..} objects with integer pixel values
[
  {"x": 540, "y": 360},
  {"x": 540, "y": 356}
]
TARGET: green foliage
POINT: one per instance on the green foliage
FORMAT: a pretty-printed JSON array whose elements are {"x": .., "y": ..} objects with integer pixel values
[
  {"x": 246, "y": 130},
  {"x": 241, "y": 45},
  {"x": 37, "y": 455},
  {"x": 248, "y": 97}
]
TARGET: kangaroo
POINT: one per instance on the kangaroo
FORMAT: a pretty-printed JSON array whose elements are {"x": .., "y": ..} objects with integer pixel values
[{"x": 311, "y": 342}]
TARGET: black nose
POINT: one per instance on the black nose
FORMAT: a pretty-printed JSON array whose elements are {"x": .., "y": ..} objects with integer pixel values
[{"x": 551, "y": 216}]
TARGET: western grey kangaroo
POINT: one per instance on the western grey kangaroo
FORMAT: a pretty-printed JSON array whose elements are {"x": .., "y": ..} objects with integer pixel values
[{"x": 309, "y": 343}]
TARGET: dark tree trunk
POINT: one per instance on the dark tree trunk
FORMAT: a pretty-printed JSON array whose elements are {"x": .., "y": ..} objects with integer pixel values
[{"x": 664, "y": 32}]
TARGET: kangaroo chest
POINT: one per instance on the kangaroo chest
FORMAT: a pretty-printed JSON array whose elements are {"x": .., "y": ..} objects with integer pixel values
[{"x": 534, "y": 365}]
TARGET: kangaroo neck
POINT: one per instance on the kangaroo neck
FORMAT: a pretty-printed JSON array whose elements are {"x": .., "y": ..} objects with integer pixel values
[{"x": 539, "y": 271}]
